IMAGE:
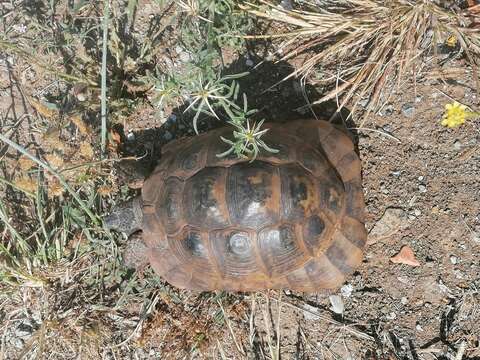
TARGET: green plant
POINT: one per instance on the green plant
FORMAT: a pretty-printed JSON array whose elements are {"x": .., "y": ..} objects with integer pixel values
[
  {"x": 247, "y": 140},
  {"x": 214, "y": 93},
  {"x": 208, "y": 26}
]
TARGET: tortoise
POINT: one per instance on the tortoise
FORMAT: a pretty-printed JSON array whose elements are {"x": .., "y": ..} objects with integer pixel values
[{"x": 292, "y": 219}]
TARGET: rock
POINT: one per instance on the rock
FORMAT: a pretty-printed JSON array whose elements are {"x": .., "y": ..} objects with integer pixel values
[
  {"x": 404, "y": 300},
  {"x": 417, "y": 212},
  {"x": 337, "y": 304},
  {"x": 346, "y": 290},
  {"x": 408, "y": 110},
  {"x": 457, "y": 145},
  {"x": 309, "y": 312},
  {"x": 405, "y": 256},
  {"x": 453, "y": 259},
  {"x": 393, "y": 220},
  {"x": 422, "y": 188}
]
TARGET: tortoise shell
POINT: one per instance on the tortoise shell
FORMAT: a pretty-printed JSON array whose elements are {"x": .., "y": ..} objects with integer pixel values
[{"x": 293, "y": 219}]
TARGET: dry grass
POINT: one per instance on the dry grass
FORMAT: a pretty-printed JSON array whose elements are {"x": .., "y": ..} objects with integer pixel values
[
  {"x": 367, "y": 47},
  {"x": 63, "y": 291}
]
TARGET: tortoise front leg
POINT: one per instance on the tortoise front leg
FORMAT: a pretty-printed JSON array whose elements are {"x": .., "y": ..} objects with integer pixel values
[{"x": 135, "y": 254}]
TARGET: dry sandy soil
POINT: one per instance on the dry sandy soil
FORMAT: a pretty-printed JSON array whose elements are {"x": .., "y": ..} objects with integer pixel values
[{"x": 422, "y": 189}]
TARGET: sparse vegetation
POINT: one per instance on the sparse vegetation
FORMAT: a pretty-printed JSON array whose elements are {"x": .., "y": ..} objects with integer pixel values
[
  {"x": 366, "y": 48},
  {"x": 64, "y": 292}
]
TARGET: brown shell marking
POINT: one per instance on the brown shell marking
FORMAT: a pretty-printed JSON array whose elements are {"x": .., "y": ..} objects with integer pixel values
[{"x": 293, "y": 219}]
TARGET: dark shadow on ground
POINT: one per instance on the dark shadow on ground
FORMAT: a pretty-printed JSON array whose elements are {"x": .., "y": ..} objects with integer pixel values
[{"x": 276, "y": 101}]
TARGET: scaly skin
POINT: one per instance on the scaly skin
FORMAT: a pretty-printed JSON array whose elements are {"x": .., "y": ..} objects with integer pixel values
[{"x": 127, "y": 218}]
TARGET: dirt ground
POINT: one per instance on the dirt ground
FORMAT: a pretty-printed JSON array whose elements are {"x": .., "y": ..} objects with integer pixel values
[{"x": 422, "y": 190}]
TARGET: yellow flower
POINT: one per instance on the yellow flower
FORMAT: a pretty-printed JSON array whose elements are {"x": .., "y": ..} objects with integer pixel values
[
  {"x": 451, "y": 41},
  {"x": 455, "y": 115}
]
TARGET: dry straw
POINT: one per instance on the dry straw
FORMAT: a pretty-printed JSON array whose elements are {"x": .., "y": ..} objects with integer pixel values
[{"x": 370, "y": 45}]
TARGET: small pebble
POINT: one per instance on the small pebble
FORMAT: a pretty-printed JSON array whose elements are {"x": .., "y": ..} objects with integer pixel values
[
  {"x": 418, "y": 327},
  {"x": 130, "y": 136},
  {"x": 457, "y": 145},
  {"x": 81, "y": 97},
  {"x": 420, "y": 178},
  {"x": 404, "y": 300},
  {"x": 408, "y": 110},
  {"x": 337, "y": 304},
  {"x": 346, "y": 290},
  {"x": 397, "y": 173},
  {"x": 172, "y": 118},
  {"x": 418, "y": 98},
  {"x": 453, "y": 259},
  {"x": 417, "y": 212},
  {"x": 422, "y": 188},
  {"x": 249, "y": 62}
]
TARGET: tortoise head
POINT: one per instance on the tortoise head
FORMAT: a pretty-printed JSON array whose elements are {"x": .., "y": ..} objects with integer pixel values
[{"x": 126, "y": 217}]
